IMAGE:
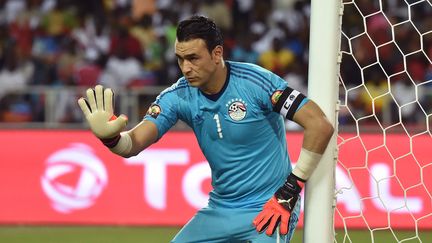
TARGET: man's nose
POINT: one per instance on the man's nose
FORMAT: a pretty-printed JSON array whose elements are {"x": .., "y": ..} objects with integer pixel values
[{"x": 186, "y": 67}]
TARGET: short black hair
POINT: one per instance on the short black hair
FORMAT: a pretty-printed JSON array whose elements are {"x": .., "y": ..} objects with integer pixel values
[{"x": 200, "y": 27}]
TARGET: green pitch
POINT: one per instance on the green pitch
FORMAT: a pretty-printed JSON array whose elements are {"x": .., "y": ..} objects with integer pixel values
[{"x": 90, "y": 234}]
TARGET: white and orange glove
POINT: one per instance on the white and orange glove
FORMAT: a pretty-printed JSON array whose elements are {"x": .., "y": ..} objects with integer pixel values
[
  {"x": 98, "y": 111},
  {"x": 277, "y": 211}
]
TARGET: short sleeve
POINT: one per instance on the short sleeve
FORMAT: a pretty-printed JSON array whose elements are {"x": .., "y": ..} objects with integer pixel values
[
  {"x": 164, "y": 111},
  {"x": 276, "y": 87}
]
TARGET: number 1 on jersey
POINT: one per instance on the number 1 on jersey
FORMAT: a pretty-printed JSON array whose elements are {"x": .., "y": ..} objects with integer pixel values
[{"x": 218, "y": 125}]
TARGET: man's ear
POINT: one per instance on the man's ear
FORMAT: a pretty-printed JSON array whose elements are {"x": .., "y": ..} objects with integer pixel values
[{"x": 218, "y": 54}]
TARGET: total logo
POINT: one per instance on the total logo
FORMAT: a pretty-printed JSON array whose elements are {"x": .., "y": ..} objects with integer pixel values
[{"x": 74, "y": 178}]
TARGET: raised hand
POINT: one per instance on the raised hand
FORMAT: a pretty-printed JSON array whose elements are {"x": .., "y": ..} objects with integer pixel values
[{"x": 98, "y": 111}]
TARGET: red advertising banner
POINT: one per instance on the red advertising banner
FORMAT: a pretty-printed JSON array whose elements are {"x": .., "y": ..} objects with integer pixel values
[{"x": 69, "y": 177}]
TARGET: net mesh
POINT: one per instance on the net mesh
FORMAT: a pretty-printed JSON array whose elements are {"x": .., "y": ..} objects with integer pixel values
[{"x": 384, "y": 170}]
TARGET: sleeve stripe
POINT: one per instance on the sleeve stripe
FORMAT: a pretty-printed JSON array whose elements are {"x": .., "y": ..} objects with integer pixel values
[
  {"x": 251, "y": 75},
  {"x": 253, "y": 80},
  {"x": 254, "y": 73}
]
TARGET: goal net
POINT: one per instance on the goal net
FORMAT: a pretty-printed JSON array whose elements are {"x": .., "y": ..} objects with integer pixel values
[{"x": 384, "y": 167}]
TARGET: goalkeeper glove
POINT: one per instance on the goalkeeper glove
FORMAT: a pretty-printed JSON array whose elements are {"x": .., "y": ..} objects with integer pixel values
[
  {"x": 279, "y": 208},
  {"x": 98, "y": 111}
]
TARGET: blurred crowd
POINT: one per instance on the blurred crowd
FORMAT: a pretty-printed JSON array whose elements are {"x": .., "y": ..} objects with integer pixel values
[
  {"x": 125, "y": 44},
  {"x": 387, "y": 63},
  {"x": 129, "y": 43}
]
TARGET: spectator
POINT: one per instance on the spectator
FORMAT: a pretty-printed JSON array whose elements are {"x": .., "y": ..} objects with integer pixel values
[
  {"x": 295, "y": 77},
  {"x": 219, "y": 12},
  {"x": 121, "y": 38},
  {"x": 121, "y": 69},
  {"x": 277, "y": 58},
  {"x": 59, "y": 21},
  {"x": 16, "y": 73},
  {"x": 404, "y": 92},
  {"x": 144, "y": 32},
  {"x": 93, "y": 36},
  {"x": 243, "y": 51},
  {"x": 241, "y": 14},
  {"x": 89, "y": 72},
  {"x": 14, "y": 76},
  {"x": 67, "y": 61},
  {"x": 373, "y": 97}
]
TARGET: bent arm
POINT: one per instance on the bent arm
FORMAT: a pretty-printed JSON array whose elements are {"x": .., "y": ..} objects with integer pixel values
[
  {"x": 317, "y": 128},
  {"x": 317, "y": 133}
]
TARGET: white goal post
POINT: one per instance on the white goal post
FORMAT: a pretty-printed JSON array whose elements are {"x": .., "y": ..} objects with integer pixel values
[{"x": 324, "y": 45}]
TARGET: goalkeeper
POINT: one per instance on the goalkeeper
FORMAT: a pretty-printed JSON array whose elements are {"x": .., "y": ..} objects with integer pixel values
[{"x": 237, "y": 112}]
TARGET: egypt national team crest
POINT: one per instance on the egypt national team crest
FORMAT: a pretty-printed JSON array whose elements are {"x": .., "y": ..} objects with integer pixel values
[{"x": 237, "y": 109}]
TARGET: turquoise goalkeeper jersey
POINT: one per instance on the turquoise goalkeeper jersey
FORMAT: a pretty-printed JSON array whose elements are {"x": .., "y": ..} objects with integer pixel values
[{"x": 240, "y": 135}]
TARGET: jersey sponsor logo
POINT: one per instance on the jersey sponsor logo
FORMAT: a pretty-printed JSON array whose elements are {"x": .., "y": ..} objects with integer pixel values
[
  {"x": 154, "y": 110},
  {"x": 237, "y": 109},
  {"x": 276, "y": 96}
]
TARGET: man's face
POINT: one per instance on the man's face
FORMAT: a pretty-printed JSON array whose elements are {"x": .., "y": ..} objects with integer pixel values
[{"x": 195, "y": 62}]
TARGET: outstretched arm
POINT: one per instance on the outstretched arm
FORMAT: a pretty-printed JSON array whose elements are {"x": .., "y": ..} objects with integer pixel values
[{"x": 142, "y": 135}]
